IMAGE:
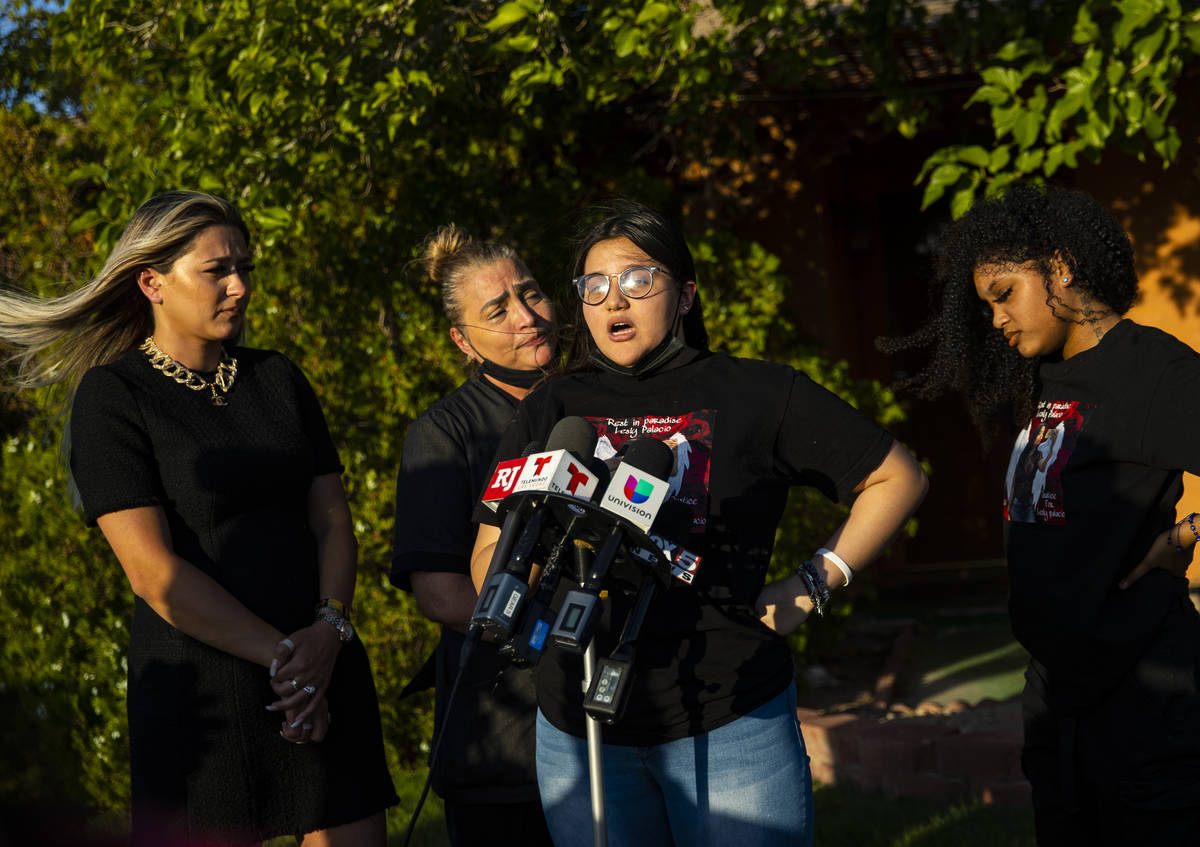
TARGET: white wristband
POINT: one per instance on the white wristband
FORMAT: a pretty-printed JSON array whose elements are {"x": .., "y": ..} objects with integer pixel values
[{"x": 831, "y": 556}]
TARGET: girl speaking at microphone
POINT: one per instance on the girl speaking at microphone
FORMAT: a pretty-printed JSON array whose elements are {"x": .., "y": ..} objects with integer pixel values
[{"x": 708, "y": 750}]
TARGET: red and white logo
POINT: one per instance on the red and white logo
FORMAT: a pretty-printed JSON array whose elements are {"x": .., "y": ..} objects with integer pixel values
[{"x": 503, "y": 481}]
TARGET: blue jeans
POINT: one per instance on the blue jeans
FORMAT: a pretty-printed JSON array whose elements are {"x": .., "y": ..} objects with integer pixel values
[{"x": 745, "y": 784}]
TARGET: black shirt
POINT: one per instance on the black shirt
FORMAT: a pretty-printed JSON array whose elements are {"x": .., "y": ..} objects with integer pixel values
[
  {"x": 487, "y": 752},
  {"x": 1094, "y": 478},
  {"x": 742, "y": 432}
]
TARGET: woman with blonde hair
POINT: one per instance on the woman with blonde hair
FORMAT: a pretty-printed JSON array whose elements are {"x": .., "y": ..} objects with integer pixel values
[{"x": 211, "y": 472}]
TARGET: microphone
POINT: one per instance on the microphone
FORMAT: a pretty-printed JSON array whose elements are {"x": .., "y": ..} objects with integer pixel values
[
  {"x": 505, "y": 476},
  {"x": 639, "y": 485},
  {"x": 636, "y": 493},
  {"x": 528, "y": 641},
  {"x": 558, "y": 471},
  {"x": 611, "y": 683},
  {"x": 674, "y": 521}
]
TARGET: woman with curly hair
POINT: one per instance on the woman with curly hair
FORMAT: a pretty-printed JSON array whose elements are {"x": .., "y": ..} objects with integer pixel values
[{"x": 1096, "y": 559}]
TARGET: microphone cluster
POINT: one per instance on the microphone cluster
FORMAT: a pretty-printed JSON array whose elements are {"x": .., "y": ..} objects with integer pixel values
[{"x": 560, "y": 509}]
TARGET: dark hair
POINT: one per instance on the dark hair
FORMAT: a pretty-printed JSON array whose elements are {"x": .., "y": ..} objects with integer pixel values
[
  {"x": 655, "y": 236},
  {"x": 1027, "y": 225},
  {"x": 450, "y": 255}
]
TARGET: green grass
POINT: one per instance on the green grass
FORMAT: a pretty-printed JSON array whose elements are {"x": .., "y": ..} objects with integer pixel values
[
  {"x": 852, "y": 817},
  {"x": 845, "y": 817}
]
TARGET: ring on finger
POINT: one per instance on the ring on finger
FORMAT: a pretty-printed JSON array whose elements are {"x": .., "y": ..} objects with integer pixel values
[
  {"x": 291, "y": 645},
  {"x": 295, "y": 685},
  {"x": 310, "y": 690}
]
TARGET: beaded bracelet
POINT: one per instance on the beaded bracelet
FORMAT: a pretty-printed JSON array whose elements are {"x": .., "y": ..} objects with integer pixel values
[
  {"x": 1178, "y": 528},
  {"x": 817, "y": 592}
]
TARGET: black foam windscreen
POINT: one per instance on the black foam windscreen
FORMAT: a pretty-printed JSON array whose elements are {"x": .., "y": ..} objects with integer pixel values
[
  {"x": 596, "y": 465},
  {"x": 532, "y": 447},
  {"x": 573, "y": 434},
  {"x": 651, "y": 456}
]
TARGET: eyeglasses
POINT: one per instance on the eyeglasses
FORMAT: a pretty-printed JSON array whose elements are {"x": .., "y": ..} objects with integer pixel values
[{"x": 635, "y": 283}]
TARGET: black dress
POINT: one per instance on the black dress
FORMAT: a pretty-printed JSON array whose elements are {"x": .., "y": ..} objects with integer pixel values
[{"x": 233, "y": 481}]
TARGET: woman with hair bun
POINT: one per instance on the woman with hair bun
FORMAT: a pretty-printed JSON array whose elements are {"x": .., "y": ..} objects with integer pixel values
[
  {"x": 211, "y": 472},
  {"x": 1033, "y": 286},
  {"x": 504, "y": 324}
]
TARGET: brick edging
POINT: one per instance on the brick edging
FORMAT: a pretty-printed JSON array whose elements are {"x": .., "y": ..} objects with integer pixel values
[{"x": 919, "y": 757}]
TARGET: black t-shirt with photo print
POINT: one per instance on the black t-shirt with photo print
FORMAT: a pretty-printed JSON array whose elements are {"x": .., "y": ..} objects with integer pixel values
[
  {"x": 1094, "y": 479},
  {"x": 742, "y": 432}
]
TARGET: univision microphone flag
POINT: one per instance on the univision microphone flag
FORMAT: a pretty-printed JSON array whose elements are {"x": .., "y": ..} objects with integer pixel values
[{"x": 635, "y": 495}]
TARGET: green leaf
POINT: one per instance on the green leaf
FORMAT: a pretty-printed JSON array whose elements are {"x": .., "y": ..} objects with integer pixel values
[
  {"x": 653, "y": 13},
  {"x": 1029, "y": 160},
  {"x": 1168, "y": 146},
  {"x": 1134, "y": 15},
  {"x": 1086, "y": 30},
  {"x": 974, "y": 155},
  {"x": 1025, "y": 128},
  {"x": 626, "y": 42},
  {"x": 999, "y": 159},
  {"x": 1091, "y": 135},
  {"x": 1054, "y": 158},
  {"x": 961, "y": 201},
  {"x": 1146, "y": 46},
  {"x": 1013, "y": 50},
  {"x": 507, "y": 15},
  {"x": 272, "y": 217},
  {"x": 993, "y": 95},
  {"x": 1006, "y": 78},
  {"x": 1004, "y": 119},
  {"x": 946, "y": 175},
  {"x": 1115, "y": 72},
  {"x": 524, "y": 43},
  {"x": 85, "y": 221},
  {"x": 1191, "y": 32},
  {"x": 683, "y": 35},
  {"x": 1064, "y": 107},
  {"x": 1135, "y": 107},
  {"x": 1153, "y": 124}
]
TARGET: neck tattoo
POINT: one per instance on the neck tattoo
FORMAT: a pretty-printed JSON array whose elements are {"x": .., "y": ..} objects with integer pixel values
[
  {"x": 223, "y": 379},
  {"x": 1091, "y": 317}
]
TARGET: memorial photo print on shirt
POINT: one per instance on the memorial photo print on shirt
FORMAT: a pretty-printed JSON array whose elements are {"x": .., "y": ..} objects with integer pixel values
[{"x": 1033, "y": 486}]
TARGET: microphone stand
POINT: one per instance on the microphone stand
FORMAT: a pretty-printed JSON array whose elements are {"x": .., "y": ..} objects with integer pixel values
[
  {"x": 567, "y": 511},
  {"x": 583, "y": 556},
  {"x": 595, "y": 756}
]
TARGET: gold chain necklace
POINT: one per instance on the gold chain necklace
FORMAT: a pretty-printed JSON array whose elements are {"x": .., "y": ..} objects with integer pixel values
[{"x": 226, "y": 371}]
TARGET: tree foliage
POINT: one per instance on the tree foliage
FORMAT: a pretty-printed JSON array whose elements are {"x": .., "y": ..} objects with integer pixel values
[
  {"x": 1068, "y": 87},
  {"x": 347, "y": 130}
]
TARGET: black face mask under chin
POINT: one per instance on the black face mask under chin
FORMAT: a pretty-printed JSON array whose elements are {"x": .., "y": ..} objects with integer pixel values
[
  {"x": 651, "y": 362},
  {"x": 511, "y": 376}
]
